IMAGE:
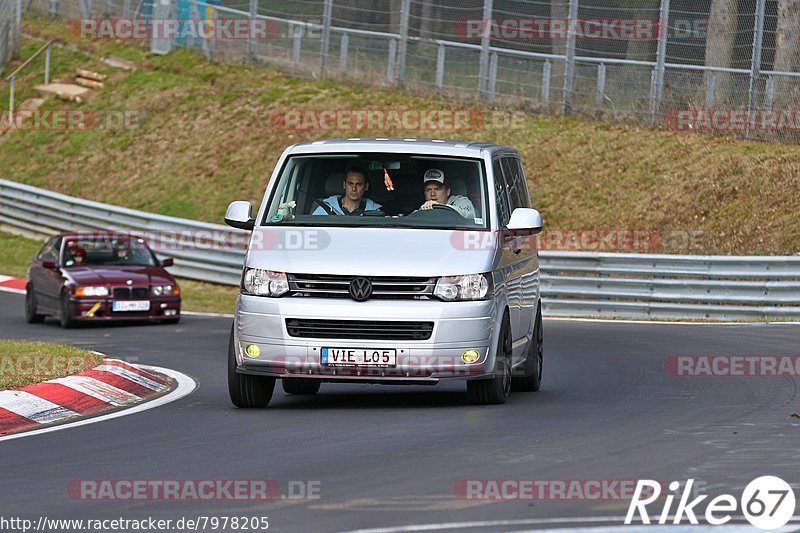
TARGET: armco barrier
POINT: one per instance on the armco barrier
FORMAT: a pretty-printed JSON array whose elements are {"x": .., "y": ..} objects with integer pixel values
[{"x": 573, "y": 283}]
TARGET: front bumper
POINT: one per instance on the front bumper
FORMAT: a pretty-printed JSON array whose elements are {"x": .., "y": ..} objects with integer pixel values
[
  {"x": 457, "y": 327},
  {"x": 160, "y": 308}
]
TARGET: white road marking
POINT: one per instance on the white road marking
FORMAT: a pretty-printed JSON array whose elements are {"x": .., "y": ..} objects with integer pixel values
[
  {"x": 186, "y": 386},
  {"x": 32, "y": 407},
  {"x": 619, "y": 526}
]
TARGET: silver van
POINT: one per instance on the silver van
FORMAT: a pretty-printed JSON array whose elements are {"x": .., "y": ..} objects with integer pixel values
[{"x": 405, "y": 261}]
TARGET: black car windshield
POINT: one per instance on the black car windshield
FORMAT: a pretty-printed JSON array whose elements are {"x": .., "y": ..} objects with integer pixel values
[
  {"x": 379, "y": 190},
  {"x": 107, "y": 251}
]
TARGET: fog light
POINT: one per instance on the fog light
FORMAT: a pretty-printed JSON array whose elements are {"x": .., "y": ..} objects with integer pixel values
[
  {"x": 253, "y": 350},
  {"x": 470, "y": 356},
  {"x": 170, "y": 312}
]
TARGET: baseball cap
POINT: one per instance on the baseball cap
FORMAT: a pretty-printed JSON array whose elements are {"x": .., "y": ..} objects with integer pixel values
[{"x": 434, "y": 174}]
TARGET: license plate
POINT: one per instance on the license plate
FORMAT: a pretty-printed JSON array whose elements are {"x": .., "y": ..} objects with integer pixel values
[
  {"x": 131, "y": 305},
  {"x": 358, "y": 357}
]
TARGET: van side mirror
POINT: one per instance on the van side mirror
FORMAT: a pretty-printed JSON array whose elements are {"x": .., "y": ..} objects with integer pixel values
[
  {"x": 239, "y": 215},
  {"x": 168, "y": 262},
  {"x": 525, "y": 221},
  {"x": 48, "y": 264}
]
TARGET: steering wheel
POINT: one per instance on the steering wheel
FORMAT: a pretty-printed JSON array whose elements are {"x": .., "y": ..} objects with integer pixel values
[{"x": 444, "y": 206}]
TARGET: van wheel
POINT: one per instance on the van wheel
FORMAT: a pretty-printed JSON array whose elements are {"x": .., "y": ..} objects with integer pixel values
[
  {"x": 496, "y": 389},
  {"x": 246, "y": 390},
  {"x": 531, "y": 379},
  {"x": 66, "y": 313},
  {"x": 300, "y": 386},
  {"x": 31, "y": 316}
]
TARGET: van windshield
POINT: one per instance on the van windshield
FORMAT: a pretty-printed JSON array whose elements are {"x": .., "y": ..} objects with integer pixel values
[{"x": 379, "y": 190}]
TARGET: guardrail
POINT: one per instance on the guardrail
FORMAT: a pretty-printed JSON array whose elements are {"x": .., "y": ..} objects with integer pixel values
[{"x": 573, "y": 283}]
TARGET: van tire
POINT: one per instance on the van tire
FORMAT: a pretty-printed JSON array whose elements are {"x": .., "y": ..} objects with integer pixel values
[
  {"x": 246, "y": 390},
  {"x": 300, "y": 386},
  {"x": 531, "y": 378},
  {"x": 495, "y": 390}
]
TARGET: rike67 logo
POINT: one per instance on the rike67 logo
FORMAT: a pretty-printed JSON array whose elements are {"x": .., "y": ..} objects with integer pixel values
[{"x": 767, "y": 502}]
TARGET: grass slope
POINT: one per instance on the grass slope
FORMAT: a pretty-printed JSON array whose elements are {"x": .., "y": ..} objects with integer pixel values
[
  {"x": 25, "y": 362},
  {"x": 206, "y": 139}
]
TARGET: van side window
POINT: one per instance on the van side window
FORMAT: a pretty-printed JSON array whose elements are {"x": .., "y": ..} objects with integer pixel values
[
  {"x": 518, "y": 190},
  {"x": 500, "y": 186}
]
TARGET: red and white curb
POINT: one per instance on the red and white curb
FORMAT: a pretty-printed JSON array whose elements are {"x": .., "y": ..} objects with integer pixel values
[
  {"x": 9, "y": 284},
  {"x": 111, "y": 385}
]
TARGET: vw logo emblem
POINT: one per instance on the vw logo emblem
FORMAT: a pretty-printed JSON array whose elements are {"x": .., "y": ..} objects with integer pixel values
[{"x": 360, "y": 289}]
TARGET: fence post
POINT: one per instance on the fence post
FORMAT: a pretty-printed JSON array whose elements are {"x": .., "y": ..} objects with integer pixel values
[
  {"x": 17, "y": 30},
  {"x": 344, "y": 43},
  {"x": 569, "y": 67},
  {"x": 547, "y": 68},
  {"x": 486, "y": 41},
  {"x": 11, "y": 102},
  {"x": 769, "y": 94},
  {"x": 755, "y": 65},
  {"x": 126, "y": 8},
  {"x": 297, "y": 35},
  {"x": 390, "y": 61},
  {"x": 600, "y": 97},
  {"x": 251, "y": 40},
  {"x": 711, "y": 82},
  {"x": 661, "y": 54},
  {"x": 440, "y": 67},
  {"x": 402, "y": 49},
  {"x": 47, "y": 66},
  {"x": 492, "y": 76},
  {"x": 109, "y": 7},
  {"x": 326, "y": 35}
]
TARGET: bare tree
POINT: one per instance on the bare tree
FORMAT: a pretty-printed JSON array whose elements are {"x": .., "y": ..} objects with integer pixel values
[
  {"x": 721, "y": 36},
  {"x": 787, "y": 45}
]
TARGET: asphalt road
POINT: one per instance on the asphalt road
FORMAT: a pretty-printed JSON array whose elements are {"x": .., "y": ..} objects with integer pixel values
[{"x": 390, "y": 456}]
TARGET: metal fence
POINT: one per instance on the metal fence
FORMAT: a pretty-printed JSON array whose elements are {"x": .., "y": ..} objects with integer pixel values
[
  {"x": 10, "y": 30},
  {"x": 709, "y": 65},
  {"x": 573, "y": 283}
]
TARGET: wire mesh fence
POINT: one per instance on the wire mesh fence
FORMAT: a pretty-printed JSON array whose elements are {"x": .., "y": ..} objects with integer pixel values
[
  {"x": 10, "y": 14},
  {"x": 704, "y": 65}
]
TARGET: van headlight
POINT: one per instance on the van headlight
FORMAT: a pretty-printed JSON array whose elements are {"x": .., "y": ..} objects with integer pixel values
[
  {"x": 260, "y": 282},
  {"x": 468, "y": 287}
]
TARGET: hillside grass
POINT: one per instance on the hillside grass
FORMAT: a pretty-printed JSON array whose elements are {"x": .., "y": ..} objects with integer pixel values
[
  {"x": 23, "y": 362},
  {"x": 207, "y": 139}
]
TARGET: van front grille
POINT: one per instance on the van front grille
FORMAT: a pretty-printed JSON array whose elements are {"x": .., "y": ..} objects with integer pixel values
[
  {"x": 386, "y": 287},
  {"x": 312, "y": 328}
]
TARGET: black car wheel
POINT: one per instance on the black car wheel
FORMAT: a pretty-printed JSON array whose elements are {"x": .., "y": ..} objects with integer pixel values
[
  {"x": 66, "y": 312},
  {"x": 531, "y": 378},
  {"x": 31, "y": 316},
  {"x": 246, "y": 390},
  {"x": 496, "y": 389}
]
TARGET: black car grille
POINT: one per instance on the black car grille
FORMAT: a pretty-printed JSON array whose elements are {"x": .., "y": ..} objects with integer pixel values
[
  {"x": 128, "y": 293},
  {"x": 359, "y": 329},
  {"x": 385, "y": 287}
]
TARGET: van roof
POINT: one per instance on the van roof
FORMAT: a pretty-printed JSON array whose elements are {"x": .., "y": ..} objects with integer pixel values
[{"x": 401, "y": 145}]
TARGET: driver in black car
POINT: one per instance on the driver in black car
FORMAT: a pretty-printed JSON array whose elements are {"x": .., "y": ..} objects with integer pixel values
[{"x": 437, "y": 191}]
